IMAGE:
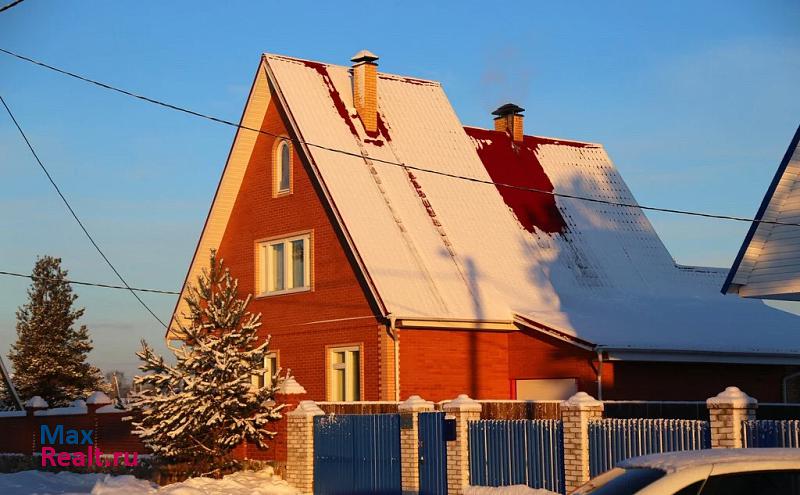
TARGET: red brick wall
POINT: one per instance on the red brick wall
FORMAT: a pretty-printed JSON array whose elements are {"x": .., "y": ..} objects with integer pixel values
[
  {"x": 109, "y": 433},
  {"x": 440, "y": 364},
  {"x": 293, "y": 319},
  {"x": 695, "y": 381}
]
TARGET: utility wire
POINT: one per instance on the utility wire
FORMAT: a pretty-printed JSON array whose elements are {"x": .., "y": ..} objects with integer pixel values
[
  {"x": 12, "y": 4},
  {"x": 397, "y": 164},
  {"x": 90, "y": 284},
  {"x": 75, "y": 216}
]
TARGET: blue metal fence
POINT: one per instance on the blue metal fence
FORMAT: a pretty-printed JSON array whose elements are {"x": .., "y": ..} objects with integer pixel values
[
  {"x": 432, "y": 454},
  {"x": 613, "y": 440},
  {"x": 357, "y": 454},
  {"x": 771, "y": 433},
  {"x": 517, "y": 452}
]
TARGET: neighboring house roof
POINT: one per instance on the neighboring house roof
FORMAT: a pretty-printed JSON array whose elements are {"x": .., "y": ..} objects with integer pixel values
[
  {"x": 768, "y": 263},
  {"x": 435, "y": 248}
]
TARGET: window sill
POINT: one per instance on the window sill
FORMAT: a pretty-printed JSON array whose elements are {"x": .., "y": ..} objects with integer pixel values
[
  {"x": 280, "y": 194},
  {"x": 282, "y": 292}
]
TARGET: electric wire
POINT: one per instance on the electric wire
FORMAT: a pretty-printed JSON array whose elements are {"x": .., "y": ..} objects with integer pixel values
[
  {"x": 75, "y": 216},
  {"x": 9, "y": 5},
  {"x": 188, "y": 111},
  {"x": 90, "y": 284}
]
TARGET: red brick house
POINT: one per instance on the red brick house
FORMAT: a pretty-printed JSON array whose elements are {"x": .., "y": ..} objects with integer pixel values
[{"x": 378, "y": 280}]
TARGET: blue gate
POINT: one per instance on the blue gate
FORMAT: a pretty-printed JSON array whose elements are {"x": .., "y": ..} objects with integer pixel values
[
  {"x": 432, "y": 454},
  {"x": 357, "y": 454},
  {"x": 613, "y": 440},
  {"x": 771, "y": 433},
  {"x": 517, "y": 452}
]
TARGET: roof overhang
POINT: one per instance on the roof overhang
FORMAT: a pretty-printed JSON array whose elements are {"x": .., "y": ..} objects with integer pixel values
[
  {"x": 689, "y": 356},
  {"x": 454, "y": 324},
  {"x": 615, "y": 353}
]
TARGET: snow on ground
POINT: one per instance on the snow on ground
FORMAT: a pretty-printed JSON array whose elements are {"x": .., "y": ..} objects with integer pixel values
[
  {"x": 506, "y": 490},
  {"x": 64, "y": 483}
]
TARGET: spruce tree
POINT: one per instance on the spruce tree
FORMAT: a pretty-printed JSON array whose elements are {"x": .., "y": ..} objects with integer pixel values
[
  {"x": 205, "y": 405},
  {"x": 49, "y": 356}
]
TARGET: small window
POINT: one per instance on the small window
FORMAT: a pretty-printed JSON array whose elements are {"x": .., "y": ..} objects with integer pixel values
[
  {"x": 283, "y": 168},
  {"x": 285, "y": 265},
  {"x": 344, "y": 374},
  {"x": 270, "y": 367}
]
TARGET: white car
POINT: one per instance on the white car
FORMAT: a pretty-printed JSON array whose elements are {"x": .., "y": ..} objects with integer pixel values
[{"x": 703, "y": 472}]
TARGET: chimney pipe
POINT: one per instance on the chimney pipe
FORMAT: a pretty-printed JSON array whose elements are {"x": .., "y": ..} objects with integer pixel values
[
  {"x": 365, "y": 88},
  {"x": 509, "y": 119}
]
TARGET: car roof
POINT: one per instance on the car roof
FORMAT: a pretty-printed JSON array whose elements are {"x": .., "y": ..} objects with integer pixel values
[{"x": 676, "y": 461}]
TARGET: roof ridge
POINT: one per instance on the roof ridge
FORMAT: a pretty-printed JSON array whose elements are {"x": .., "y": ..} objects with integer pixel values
[
  {"x": 552, "y": 138},
  {"x": 383, "y": 75}
]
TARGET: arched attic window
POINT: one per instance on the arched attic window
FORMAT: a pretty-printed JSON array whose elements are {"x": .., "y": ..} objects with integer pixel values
[{"x": 283, "y": 168}]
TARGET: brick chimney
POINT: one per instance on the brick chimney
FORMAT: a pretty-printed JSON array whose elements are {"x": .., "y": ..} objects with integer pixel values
[
  {"x": 365, "y": 88},
  {"x": 509, "y": 119}
]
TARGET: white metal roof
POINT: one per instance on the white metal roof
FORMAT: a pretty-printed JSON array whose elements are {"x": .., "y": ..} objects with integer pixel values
[{"x": 440, "y": 248}]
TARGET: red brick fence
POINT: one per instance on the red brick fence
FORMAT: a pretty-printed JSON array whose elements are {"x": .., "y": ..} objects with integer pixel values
[{"x": 22, "y": 430}]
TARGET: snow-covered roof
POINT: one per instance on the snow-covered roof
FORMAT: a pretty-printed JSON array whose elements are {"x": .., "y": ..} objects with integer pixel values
[
  {"x": 768, "y": 263},
  {"x": 435, "y": 248},
  {"x": 440, "y": 248}
]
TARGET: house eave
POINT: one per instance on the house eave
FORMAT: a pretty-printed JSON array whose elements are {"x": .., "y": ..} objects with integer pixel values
[
  {"x": 454, "y": 324},
  {"x": 700, "y": 356}
]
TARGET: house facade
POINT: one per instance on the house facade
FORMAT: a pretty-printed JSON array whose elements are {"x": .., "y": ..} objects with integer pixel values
[{"x": 392, "y": 251}]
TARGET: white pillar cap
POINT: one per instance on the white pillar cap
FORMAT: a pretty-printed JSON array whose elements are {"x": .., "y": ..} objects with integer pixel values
[
  {"x": 306, "y": 408},
  {"x": 415, "y": 403},
  {"x": 98, "y": 398},
  {"x": 290, "y": 386},
  {"x": 582, "y": 400},
  {"x": 463, "y": 403},
  {"x": 732, "y": 397}
]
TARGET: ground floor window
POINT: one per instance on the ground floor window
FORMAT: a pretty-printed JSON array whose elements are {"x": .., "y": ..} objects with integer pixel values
[
  {"x": 270, "y": 367},
  {"x": 344, "y": 373},
  {"x": 546, "y": 389}
]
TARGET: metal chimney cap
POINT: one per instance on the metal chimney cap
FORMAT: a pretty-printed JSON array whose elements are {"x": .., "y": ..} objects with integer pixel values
[
  {"x": 364, "y": 56},
  {"x": 508, "y": 109}
]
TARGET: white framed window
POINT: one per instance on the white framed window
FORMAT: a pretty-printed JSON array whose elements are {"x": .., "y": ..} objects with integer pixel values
[
  {"x": 270, "y": 367},
  {"x": 344, "y": 373},
  {"x": 282, "y": 169},
  {"x": 285, "y": 265}
]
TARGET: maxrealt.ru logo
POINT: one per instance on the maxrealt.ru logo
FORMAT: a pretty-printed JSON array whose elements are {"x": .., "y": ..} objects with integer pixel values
[{"x": 61, "y": 436}]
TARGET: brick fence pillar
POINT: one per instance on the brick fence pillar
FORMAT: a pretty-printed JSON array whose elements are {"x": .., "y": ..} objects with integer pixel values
[
  {"x": 32, "y": 405},
  {"x": 409, "y": 440},
  {"x": 726, "y": 411},
  {"x": 300, "y": 445},
  {"x": 464, "y": 410},
  {"x": 576, "y": 412}
]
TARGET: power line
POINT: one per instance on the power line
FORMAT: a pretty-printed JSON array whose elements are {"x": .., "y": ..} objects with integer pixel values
[
  {"x": 90, "y": 284},
  {"x": 75, "y": 216},
  {"x": 12, "y": 4},
  {"x": 392, "y": 163}
]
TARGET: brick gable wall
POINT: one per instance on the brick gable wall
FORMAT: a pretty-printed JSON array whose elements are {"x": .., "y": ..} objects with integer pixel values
[{"x": 336, "y": 310}]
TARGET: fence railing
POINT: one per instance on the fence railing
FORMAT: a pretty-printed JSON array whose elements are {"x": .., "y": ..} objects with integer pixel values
[
  {"x": 517, "y": 452},
  {"x": 771, "y": 433},
  {"x": 613, "y": 440}
]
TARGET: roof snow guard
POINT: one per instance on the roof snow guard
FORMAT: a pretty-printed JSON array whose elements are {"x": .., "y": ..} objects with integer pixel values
[{"x": 460, "y": 253}]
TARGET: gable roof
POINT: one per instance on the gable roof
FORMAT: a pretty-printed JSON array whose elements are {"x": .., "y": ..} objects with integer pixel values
[
  {"x": 436, "y": 248},
  {"x": 768, "y": 263}
]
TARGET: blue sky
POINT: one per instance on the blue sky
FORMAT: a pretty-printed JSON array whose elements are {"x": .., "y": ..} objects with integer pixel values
[{"x": 694, "y": 101}]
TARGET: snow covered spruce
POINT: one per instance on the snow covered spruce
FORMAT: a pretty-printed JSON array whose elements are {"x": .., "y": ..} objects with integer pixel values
[{"x": 205, "y": 405}]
